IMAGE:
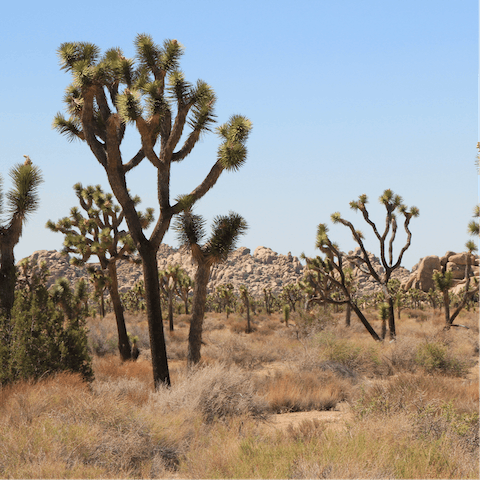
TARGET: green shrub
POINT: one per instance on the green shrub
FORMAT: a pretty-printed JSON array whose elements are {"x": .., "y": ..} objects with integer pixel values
[
  {"x": 434, "y": 357},
  {"x": 45, "y": 334}
]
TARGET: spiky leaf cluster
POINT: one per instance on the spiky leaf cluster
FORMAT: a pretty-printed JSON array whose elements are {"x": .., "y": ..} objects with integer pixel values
[
  {"x": 23, "y": 198},
  {"x": 98, "y": 232},
  {"x": 226, "y": 230},
  {"x": 150, "y": 88},
  {"x": 232, "y": 153}
]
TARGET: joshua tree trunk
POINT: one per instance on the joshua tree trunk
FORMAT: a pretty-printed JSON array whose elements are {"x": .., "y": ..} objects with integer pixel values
[
  {"x": 123, "y": 341},
  {"x": 348, "y": 315},
  {"x": 170, "y": 309},
  {"x": 161, "y": 373},
  {"x": 8, "y": 276},
  {"x": 365, "y": 322},
  {"x": 247, "y": 306},
  {"x": 198, "y": 312},
  {"x": 391, "y": 318},
  {"x": 446, "y": 304}
]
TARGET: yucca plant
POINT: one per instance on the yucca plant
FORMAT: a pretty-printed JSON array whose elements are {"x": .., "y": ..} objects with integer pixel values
[
  {"x": 110, "y": 92},
  {"x": 330, "y": 277},
  {"x": 184, "y": 287},
  {"x": 190, "y": 229},
  {"x": 245, "y": 297},
  {"x": 22, "y": 201},
  {"x": 169, "y": 279},
  {"x": 98, "y": 232},
  {"x": 393, "y": 205}
]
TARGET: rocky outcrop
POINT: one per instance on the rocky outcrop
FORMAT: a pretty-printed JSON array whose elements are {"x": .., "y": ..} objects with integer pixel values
[
  {"x": 365, "y": 283},
  {"x": 421, "y": 276},
  {"x": 264, "y": 269}
]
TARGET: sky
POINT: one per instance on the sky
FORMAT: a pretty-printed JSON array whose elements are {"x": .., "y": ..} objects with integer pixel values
[{"x": 346, "y": 98}]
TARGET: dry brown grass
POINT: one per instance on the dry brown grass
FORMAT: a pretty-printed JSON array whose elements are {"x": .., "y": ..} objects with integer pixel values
[
  {"x": 409, "y": 422},
  {"x": 301, "y": 391}
]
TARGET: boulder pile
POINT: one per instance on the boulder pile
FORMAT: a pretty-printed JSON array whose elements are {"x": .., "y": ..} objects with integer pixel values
[
  {"x": 265, "y": 268},
  {"x": 422, "y": 272}
]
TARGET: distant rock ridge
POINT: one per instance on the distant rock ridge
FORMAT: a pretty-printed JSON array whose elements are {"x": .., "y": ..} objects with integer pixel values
[{"x": 265, "y": 268}]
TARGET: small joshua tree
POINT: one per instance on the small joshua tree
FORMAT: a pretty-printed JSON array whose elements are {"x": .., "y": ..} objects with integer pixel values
[
  {"x": 98, "y": 233},
  {"x": 184, "y": 287},
  {"x": 245, "y": 297},
  {"x": 22, "y": 200},
  {"x": 225, "y": 232},
  {"x": 332, "y": 284},
  {"x": 393, "y": 204},
  {"x": 169, "y": 279},
  {"x": 444, "y": 281}
]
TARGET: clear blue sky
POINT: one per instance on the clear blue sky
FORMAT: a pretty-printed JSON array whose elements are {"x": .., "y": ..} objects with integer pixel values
[{"x": 346, "y": 97}]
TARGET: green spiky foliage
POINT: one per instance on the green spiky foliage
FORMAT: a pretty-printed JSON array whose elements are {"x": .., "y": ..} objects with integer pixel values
[
  {"x": 190, "y": 229},
  {"x": 226, "y": 298},
  {"x": 21, "y": 201},
  {"x": 291, "y": 294},
  {"x": 99, "y": 280},
  {"x": 184, "y": 287},
  {"x": 170, "y": 114},
  {"x": 98, "y": 232},
  {"x": 330, "y": 277},
  {"x": 394, "y": 207},
  {"x": 169, "y": 279},
  {"x": 47, "y": 331}
]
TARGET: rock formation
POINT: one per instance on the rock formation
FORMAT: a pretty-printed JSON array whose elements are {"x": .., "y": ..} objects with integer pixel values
[
  {"x": 265, "y": 268},
  {"x": 422, "y": 272}
]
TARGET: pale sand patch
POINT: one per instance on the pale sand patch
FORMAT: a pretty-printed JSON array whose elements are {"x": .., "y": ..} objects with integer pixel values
[{"x": 333, "y": 419}]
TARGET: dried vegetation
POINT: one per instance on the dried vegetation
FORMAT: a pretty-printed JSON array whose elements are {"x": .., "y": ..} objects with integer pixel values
[{"x": 413, "y": 405}]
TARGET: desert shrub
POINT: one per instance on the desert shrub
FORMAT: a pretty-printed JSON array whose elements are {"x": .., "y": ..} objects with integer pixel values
[
  {"x": 412, "y": 392},
  {"x": 437, "y": 420},
  {"x": 352, "y": 355},
  {"x": 45, "y": 334},
  {"x": 401, "y": 355},
  {"x": 216, "y": 392},
  {"x": 434, "y": 357}
]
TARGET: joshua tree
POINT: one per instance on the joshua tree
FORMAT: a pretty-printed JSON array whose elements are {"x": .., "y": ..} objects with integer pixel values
[
  {"x": 99, "y": 234},
  {"x": 444, "y": 281},
  {"x": 267, "y": 295},
  {"x": 245, "y": 296},
  {"x": 169, "y": 279},
  {"x": 225, "y": 232},
  {"x": 22, "y": 200},
  {"x": 334, "y": 286},
  {"x": 393, "y": 204},
  {"x": 184, "y": 287},
  {"x": 291, "y": 294},
  {"x": 227, "y": 297},
  {"x": 110, "y": 92}
]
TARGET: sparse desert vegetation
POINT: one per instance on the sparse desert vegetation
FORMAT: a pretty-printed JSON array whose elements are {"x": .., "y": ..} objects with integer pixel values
[{"x": 363, "y": 409}]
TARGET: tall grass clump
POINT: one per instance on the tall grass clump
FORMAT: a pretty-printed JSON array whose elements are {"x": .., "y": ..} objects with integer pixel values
[{"x": 215, "y": 391}]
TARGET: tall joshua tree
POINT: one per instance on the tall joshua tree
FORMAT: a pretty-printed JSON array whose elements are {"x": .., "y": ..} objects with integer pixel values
[
  {"x": 110, "y": 92},
  {"x": 191, "y": 232},
  {"x": 22, "y": 200},
  {"x": 99, "y": 234},
  {"x": 393, "y": 204}
]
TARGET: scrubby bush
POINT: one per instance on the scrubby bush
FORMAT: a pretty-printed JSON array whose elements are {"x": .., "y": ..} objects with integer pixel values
[
  {"x": 45, "y": 334},
  {"x": 434, "y": 356}
]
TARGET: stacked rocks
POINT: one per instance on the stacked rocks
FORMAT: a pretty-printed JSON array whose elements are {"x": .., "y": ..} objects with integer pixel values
[
  {"x": 264, "y": 269},
  {"x": 422, "y": 272}
]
